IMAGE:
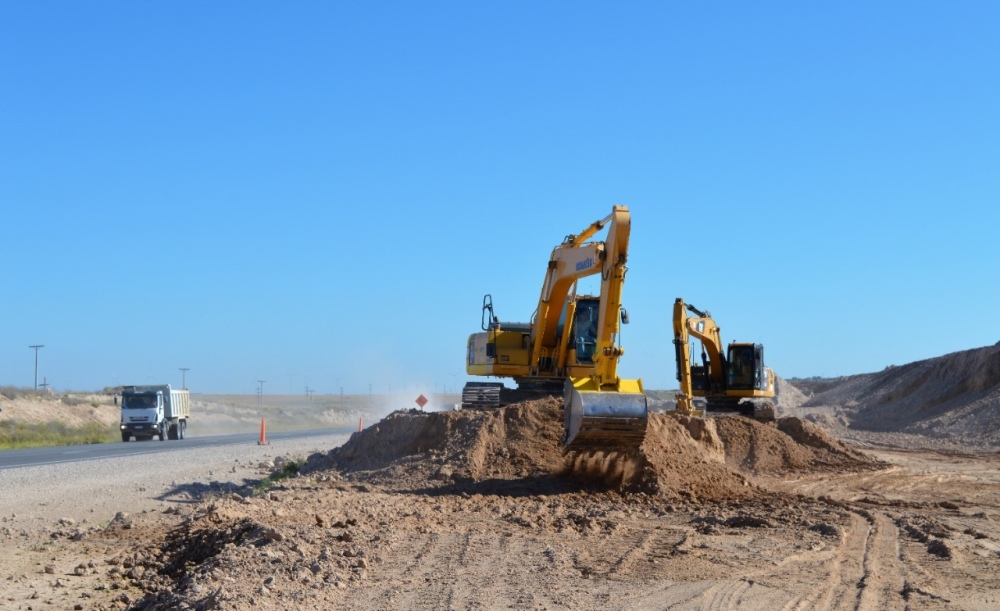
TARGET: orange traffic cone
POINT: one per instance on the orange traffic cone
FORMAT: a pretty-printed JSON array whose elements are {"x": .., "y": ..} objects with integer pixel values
[
  {"x": 360, "y": 425},
  {"x": 263, "y": 437}
]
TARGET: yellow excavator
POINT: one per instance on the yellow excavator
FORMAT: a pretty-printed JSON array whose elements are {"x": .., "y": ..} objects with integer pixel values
[
  {"x": 570, "y": 346},
  {"x": 735, "y": 382}
]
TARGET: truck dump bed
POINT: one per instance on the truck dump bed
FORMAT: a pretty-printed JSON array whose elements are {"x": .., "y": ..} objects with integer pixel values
[{"x": 178, "y": 404}]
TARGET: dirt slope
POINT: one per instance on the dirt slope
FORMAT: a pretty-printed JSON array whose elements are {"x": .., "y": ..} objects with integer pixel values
[
  {"x": 71, "y": 410},
  {"x": 952, "y": 396}
]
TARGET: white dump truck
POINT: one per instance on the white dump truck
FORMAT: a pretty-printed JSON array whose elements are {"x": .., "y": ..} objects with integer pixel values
[{"x": 149, "y": 411}]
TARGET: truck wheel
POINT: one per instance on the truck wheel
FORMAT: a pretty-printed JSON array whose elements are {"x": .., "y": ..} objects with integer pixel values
[
  {"x": 172, "y": 432},
  {"x": 125, "y": 436},
  {"x": 160, "y": 433},
  {"x": 183, "y": 429}
]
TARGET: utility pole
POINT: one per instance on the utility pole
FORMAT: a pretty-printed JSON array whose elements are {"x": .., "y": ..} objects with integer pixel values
[
  {"x": 44, "y": 384},
  {"x": 260, "y": 393},
  {"x": 184, "y": 371},
  {"x": 36, "y": 347}
]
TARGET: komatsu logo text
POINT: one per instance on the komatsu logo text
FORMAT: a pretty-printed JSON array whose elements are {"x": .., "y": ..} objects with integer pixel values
[{"x": 582, "y": 265}]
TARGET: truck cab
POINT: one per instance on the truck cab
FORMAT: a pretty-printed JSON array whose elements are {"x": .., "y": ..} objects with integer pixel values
[{"x": 142, "y": 414}]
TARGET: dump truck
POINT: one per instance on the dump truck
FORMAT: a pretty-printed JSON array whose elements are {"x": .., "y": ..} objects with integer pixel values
[{"x": 154, "y": 411}]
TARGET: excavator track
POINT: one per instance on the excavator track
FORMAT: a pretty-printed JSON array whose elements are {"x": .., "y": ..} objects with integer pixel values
[
  {"x": 760, "y": 410},
  {"x": 492, "y": 395}
]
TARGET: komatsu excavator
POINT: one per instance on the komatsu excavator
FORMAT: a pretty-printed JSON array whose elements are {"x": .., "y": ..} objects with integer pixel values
[
  {"x": 737, "y": 381},
  {"x": 569, "y": 347}
]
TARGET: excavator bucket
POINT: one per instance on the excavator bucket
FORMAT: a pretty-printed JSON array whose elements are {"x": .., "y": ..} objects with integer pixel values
[{"x": 604, "y": 420}]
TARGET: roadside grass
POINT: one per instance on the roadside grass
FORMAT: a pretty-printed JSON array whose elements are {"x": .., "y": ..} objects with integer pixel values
[
  {"x": 15, "y": 435},
  {"x": 289, "y": 469}
]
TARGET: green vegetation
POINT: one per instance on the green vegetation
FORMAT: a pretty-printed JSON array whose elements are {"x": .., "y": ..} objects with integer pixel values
[
  {"x": 289, "y": 469},
  {"x": 23, "y": 435}
]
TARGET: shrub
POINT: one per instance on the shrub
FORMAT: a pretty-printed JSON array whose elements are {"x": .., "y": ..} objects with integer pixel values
[{"x": 289, "y": 469}]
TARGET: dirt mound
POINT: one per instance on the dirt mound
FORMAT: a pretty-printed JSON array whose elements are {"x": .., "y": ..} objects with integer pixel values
[
  {"x": 957, "y": 394},
  {"x": 488, "y": 451},
  {"x": 786, "y": 396},
  {"x": 791, "y": 443},
  {"x": 684, "y": 457},
  {"x": 409, "y": 448}
]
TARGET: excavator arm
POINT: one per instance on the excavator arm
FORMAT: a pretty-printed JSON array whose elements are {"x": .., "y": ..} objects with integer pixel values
[
  {"x": 612, "y": 281},
  {"x": 703, "y": 328}
]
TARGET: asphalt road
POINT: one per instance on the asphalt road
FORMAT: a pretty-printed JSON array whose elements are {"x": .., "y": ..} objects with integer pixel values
[{"x": 30, "y": 457}]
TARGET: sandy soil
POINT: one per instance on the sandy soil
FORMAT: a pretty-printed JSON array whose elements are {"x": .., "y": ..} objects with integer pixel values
[{"x": 479, "y": 510}]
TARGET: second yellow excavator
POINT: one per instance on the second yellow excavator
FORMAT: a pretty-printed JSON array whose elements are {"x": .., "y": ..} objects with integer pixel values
[
  {"x": 570, "y": 345},
  {"x": 737, "y": 381}
]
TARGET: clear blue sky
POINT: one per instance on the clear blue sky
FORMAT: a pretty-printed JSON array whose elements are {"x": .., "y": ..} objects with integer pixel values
[{"x": 320, "y": 193}]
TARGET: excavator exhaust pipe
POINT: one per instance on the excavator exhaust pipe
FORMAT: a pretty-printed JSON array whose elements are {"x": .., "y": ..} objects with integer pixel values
[{"x": 604, "y": 420}]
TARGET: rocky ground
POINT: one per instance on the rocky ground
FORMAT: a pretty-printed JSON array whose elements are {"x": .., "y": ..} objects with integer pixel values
[{"x": 479, "y": 510}]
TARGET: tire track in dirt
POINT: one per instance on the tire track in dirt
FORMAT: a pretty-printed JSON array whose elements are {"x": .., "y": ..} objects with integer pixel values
[
  {"x": 884, "y": 577},
  {"x": 648, "y": 551},
  {"x": 864, "y": 573},
  {"x": 464, "y": 570},
  {"x": 839, "y": 590},
  {"x": 724, "y": 594}
]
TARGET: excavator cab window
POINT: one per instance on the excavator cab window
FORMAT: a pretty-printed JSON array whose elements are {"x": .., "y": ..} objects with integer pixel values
[
  {"x": 760, "y": 378},
  {"x": 585, "y": 329},
  {"x": 740, "y": 373}
]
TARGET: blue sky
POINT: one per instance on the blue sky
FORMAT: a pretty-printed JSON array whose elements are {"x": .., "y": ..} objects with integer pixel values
[{"x": 321, "y": 193}]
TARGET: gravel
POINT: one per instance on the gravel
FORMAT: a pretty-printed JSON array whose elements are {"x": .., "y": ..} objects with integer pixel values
[{"x": 96, "y": 490}]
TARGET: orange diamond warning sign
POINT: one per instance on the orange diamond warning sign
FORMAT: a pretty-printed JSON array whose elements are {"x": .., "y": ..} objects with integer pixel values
[{"x": 421, "y": 401}]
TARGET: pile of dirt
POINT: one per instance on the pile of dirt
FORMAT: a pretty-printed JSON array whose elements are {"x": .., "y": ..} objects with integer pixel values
[
  {"x": 955, "y": 395},
  {"x": 789, "y": 444},
  {"x": 487, "y": 451},
  {"x": 408, "y": 449},
  {"x": 684, "y": 457},
  {"x": 786, "y": 396}
]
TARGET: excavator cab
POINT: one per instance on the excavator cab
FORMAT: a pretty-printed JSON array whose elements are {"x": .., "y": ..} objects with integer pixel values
[{"x": 745, "y": 367}]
